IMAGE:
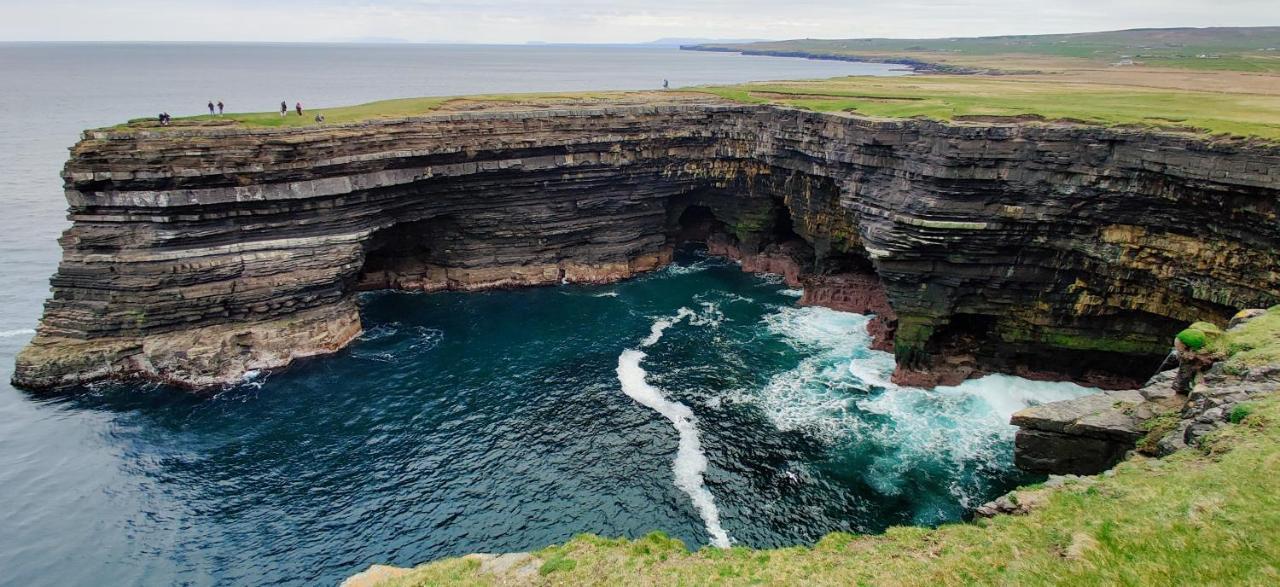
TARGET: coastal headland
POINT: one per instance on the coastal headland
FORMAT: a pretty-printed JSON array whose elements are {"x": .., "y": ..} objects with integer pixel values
[{"x": 1055, "y": 216}]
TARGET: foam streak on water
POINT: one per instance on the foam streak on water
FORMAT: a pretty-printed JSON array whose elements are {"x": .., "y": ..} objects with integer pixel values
[{"x": 690, "y": 463}]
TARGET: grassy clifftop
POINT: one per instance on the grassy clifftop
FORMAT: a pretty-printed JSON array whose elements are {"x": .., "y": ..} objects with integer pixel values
[
  {"x": 979, "y": 98},
  {"x": 1249, "y": 112}
]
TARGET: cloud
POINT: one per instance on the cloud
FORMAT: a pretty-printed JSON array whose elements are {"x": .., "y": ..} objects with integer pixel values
[{"x": 515, "y": 21}]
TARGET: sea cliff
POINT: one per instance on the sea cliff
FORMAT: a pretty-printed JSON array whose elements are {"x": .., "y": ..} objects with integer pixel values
[{"x": 1051, "y": 250}]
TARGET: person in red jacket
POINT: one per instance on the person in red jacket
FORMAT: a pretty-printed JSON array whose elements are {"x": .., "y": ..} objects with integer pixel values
[{"x": 299, "y": 107}]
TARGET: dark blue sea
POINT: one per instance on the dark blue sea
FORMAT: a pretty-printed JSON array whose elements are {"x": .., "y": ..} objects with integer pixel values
[{"x": 697, "y": 400}]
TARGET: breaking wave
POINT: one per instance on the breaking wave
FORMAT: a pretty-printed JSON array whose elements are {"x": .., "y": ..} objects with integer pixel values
[
  {"x": 841, "y": 394},
  {"x": 685, "y": 269},
  {"x": 690, "y": 463},
  {"x": 16, "y": 332}
]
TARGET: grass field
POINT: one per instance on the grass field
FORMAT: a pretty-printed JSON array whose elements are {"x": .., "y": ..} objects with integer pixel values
[
  {"x": 937, "y": 97},
  {"x": 1247, "y": 105},
  {"x": 958, "y": 97},
  {"x": 391, "y": 109}
]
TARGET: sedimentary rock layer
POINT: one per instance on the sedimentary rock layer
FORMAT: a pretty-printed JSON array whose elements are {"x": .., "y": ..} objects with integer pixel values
[{"x": 1046, "y": 250}]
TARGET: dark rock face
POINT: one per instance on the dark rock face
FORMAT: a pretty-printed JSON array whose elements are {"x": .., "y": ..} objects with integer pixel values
[
  {"x": 1047, "y": 251},
  {"x": 1083, "y": 436},
  {"x": 1174, "y": 410}
]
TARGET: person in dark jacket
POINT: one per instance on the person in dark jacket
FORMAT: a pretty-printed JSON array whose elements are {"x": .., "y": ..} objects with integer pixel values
[
  {"x": 210, "y": 107},
  {"x": 219, "y": 107},
  {"x": 284, "y": 108}
]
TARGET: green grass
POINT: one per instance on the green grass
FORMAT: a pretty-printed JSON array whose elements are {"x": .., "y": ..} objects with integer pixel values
[
  {"x": 956, "y": 97},
  {"x": 1255, "y": 344},
  {"x": 384, "y": 109},
  {"x": 935, "y": 97},
  {"x": 1199, "y": 517},
  {"x": 944, "y": 98}
]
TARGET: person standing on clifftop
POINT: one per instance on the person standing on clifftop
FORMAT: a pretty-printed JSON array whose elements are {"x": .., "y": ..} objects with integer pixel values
[
  {"x": 666, "y": 84},
  {"x": 284, "y": 108},
  {"x": 210, "y": 107},
  {"x": 299, "y": 107},
  {"x": 219, "y": 107}
]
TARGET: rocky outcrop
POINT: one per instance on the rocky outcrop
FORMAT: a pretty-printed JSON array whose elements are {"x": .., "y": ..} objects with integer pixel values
[
  {"x": 1047, "y": 250},
  {"x": 1088, "y": 435},
  {"x": 1083, "y": 436}
]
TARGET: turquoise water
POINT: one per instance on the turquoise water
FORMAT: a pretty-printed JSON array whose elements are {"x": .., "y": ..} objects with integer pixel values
[{"x": 698, "y": 400}]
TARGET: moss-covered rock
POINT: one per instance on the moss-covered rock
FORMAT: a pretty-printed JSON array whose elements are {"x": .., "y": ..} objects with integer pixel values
[{"x": 1193, "y": 338}]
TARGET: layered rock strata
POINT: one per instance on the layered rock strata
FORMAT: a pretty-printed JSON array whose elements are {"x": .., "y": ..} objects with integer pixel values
[{"x": 197, "y": 254}]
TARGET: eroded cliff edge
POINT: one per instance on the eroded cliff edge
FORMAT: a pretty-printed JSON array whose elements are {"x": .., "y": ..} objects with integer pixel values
[{"x": 1047, "y": 250}]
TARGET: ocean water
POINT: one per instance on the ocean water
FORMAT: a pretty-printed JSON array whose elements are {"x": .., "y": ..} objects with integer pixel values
[{"x": 697, "y": 400}]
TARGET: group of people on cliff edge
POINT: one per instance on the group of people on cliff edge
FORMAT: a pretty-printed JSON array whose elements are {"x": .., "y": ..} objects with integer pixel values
[
  {"x": 284, "y": 111},
  {"x": 284, "y": 108}
]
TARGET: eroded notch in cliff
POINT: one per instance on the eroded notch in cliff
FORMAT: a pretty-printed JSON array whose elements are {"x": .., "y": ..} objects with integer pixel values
[
  {"x": 408, "y": 255},
  {"x": 696, "y": 224}
]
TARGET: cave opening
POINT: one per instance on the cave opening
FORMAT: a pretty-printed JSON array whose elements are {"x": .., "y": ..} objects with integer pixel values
[
  {"x": 783, "y": 227},
  {"x": 406, "y": 255},
  {"x": 696, "y": 224}
]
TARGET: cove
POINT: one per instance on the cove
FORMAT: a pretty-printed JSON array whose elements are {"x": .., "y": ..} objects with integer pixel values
[{"x": 495, "y": 422}]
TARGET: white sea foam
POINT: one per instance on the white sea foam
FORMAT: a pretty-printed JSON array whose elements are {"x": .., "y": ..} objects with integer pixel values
[
  {"x": 696, "y": 266},
  {"x": 17, "y": 332},
  {"x": 690, "y": 463},
  {"x": 793, "y": 293},
  {"x": 841, "y": 393},
  {"x": 425, "y": 338},
  {"x": 380, "y": 331},
  {"x": 606, "y": 294},
  {"x": 381, "y": 357},
  {"x": 662, "y": 324}
]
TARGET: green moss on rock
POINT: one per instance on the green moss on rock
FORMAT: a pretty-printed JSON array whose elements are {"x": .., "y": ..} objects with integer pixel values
[
  {"x": 1199, "y": 335},
  {"x": 1193, "y": 338}
]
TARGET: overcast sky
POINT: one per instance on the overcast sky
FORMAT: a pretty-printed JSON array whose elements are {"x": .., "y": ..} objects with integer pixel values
[{"x": 607, "y": 21}]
